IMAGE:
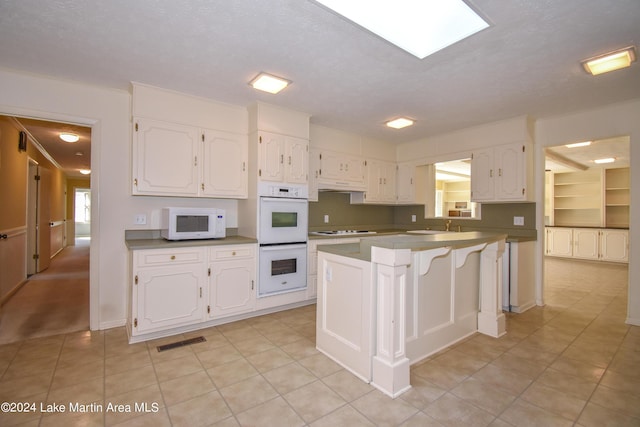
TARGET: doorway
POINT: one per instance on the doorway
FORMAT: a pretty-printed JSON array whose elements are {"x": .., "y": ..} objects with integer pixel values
[{"x": 82, "y": 216}]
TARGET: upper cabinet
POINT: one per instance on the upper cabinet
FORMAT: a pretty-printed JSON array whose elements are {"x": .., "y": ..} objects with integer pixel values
[
  {"x": 340, "y": 171},
  {"x": 171, "y": 159},
  {"x": 502, "y": 174},
  {"x": 405, "y": 183},
  {"x": 187, "y": 146},
  {"x": 283, "y": 158}
]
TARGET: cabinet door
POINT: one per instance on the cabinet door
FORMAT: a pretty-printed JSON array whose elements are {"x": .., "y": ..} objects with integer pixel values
[
  {"x": 332, "y": 166},
  {"x": 271, "y": 152},
  {"x": 560, "y": 242},
  {"x": 510, "y": 172},
  {"x": 314, "y": 174},
  {"x": 614, "y": 245},
  {"x": 167, "y": 297},
  {"x": 232, "y": 289},
  {"x": 405, "y": 189},
  {"x": 482, "y": 176},
  {"x": 224, "y": 165},
  {"x": 355, "y": 169},
  {"x": 586, "y": 243},
  {"x": 297, "y": 167},
  {"x": 375, "y": 173},
  {"x": 389, "y": 182},
  {"x": 165, "y": 158}
]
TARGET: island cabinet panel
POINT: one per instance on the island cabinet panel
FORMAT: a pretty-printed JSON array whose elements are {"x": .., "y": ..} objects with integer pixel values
[{"x": 345, "y": 312}]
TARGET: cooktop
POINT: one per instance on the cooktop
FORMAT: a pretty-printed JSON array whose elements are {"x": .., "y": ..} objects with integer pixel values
[{"x": 342, "y": 232}]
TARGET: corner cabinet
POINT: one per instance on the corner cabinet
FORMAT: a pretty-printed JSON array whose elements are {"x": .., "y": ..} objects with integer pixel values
[
  {"x": 171, "y": 159},
  {"x": 502, "y": 174},
  {"x": 168, "y": 288},
  {"x": 597, "y": 244},
  {"x": 283, "y": 158}
]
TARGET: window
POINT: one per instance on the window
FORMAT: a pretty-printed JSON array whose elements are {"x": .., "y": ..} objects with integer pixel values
[
  {"x": 83, "y": 205},
  {"x": 449, "y": 190}
]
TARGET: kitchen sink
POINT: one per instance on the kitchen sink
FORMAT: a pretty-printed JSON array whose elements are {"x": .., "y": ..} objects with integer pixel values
[
  {"x": 342, "y": 232},
  {"x": 428, "y": 231}
]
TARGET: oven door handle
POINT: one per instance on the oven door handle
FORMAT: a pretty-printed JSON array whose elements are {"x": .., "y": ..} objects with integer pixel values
[
  {"x": 283, "y": 247},
  {"x": 283, "y": 199}
]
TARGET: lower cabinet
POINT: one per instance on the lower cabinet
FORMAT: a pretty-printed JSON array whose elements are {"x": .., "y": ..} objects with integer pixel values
[
  {"x": 312, "y": 261},
  {"x": 180, "y": 287},
  {"x": 599, "y": 244},
  {"x": 232, "y": 281}
]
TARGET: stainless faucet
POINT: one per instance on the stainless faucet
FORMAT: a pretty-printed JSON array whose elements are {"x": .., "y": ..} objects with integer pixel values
[{"x": 447, "y": 225}]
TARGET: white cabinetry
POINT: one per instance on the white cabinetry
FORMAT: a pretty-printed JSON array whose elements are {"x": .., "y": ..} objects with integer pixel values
[
  {"x": 502, "y": 174},
  {"x": 168, "y": 286},
  {"x": 171, "y": 159},
  {"x": 283, "y": 158},
  {"x": 519, "y": 292},
  {"x": 588, "y": 243},
  {"x": 232, "y": 280},
  {"x": 381, "y": 183},
  {"x": 341, "y": 171},
  {"x": 312, "y": 261},
  {"x": 405, "y": 186}
]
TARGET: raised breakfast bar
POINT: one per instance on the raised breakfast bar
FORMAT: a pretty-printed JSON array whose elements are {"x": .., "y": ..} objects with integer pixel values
[{"x": 388, "y": 302}]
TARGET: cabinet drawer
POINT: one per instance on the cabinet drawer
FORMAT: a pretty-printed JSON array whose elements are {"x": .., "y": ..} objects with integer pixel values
[
  {"x": 232, "y": 252},
  {"x": 154, "y": 257}
]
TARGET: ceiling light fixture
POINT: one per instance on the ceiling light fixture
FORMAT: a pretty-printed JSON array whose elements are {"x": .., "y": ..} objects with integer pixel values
[
  {"x": 399, "y": 123},
  {"x": 578, "y": 144},
  {"x": 269, "y": 83},
  {"x": 611, "y": 61},
  {"x": 85, "y": 171},
  {"x": 69, "y": 137},
  {"x": 606, "y": 160},
  {"x": 416, "y": 26}
]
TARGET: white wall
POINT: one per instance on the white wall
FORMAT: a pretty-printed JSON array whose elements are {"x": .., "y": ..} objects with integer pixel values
[
  {"x": 108, "y": 112},
  {"x": 608, "y": 121}
]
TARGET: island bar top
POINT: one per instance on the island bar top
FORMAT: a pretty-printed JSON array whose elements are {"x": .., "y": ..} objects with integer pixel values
[{"x": 362, "y": 250}]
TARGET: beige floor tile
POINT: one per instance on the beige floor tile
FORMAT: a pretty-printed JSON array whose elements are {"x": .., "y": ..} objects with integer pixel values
[
  {"x": 129, "y": 380},
  {"x": 300, "y": 349},
  {"x": 289, "y": 377},
  {"x": 275, "y": 412},
  {"x": 186, "y": 387},
  {"x": 126, "y": 362},
  {"x": 231, "y": 373},
  {"x": 248, "y": 393},
  {"x": 31, "y": 417},
  {"x": 524, "y": 414},
  {"x": 174, "y": 368},
  {"x": 617, "y": 400},
  {"x": 203, "y": 410},
  {"x": 347, "y": 385},
  {"x": 241, "y": 334},
  {"x": 82, "y": 372},
  {"x": 270, "y": 359},
  {"x": 314, "y": 401},
  {"x": 255, "y": 345},
  {"x": 574, "y": 386},
  {"x": 577, "y": 368},
  {"x": 344, "y": 416},
  {"x": 382, "y": 410},
  {"x": 595, "y": 415},
  {"x": 421, "y": 420},
  {"x": 320, "y": 365},
  {"x": 502, "y": 379},
  {"x": 524, "y": 367},
  {"x": 451, "y": 410},
  {"x": 422, "y": 392},
  {"x": 443, "y": 377},
  {"x": 554, "y": 401},
  {"x": 88, "y": 419},
  {"x": 84, "y": 392},
  {"x": 159, "y": 419},
  {"x": 482, "y": 395},
  {"x": 124, "y": 405},
  {"x": 218, "y": 356}
]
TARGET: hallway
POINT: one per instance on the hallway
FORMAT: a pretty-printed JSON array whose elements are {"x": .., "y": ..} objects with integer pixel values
[{"x": 55, "y": 301}]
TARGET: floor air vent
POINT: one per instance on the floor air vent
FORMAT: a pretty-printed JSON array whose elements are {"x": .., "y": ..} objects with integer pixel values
[{"x": 180, "y": 343}]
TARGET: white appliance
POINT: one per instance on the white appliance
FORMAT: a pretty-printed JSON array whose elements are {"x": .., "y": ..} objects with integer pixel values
[
  {"x": 283, "y": 268},
  {"x": 283, "y": 213},
  {"x": 192, "y": 223}
]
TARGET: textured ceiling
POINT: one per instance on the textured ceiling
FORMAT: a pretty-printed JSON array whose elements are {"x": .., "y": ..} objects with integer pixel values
[{"x": 526, "y": 62}]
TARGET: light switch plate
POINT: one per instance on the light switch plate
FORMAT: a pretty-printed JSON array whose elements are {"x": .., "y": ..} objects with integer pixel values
[
  {"x": 413, "y": 218},
  {"x": 326, "y": 219},
  {"x": 518, "y": 220}
]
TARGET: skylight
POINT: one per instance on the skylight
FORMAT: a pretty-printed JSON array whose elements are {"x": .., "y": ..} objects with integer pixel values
[{"x": 421, "y": 27}]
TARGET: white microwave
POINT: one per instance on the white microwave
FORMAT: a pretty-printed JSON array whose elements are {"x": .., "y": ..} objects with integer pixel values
[{"x": 193, "y": 223}]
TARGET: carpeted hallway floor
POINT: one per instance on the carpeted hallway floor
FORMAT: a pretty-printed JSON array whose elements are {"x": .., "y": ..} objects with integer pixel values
[{"x": 52, "y": 302}]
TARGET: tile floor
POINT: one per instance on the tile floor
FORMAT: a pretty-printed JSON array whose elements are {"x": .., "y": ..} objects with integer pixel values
[{"x": 573, "y": 362}]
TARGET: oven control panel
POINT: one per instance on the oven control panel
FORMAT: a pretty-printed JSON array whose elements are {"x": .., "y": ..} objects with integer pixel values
[{"x": 289, "y": 191}]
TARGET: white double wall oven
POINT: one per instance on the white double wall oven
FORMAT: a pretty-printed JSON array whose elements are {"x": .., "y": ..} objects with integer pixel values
[{"x": 282, "y": 235}]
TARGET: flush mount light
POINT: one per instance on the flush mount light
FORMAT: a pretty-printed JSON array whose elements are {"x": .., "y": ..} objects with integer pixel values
[
  {"x": 578, "y": 144},
  {"x": 85, "y": 171},
  {"x": 417, "y": 26},
  {"x": 399, "y": 123},
  {"x": 269, "y": 83},
  {"x": 69, "y": 137},
  {"x": 610, "y": 61},
  {"x": 607, "y": 160}
]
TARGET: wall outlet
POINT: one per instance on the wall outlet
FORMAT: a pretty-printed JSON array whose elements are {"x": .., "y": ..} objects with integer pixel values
[
  {"x": 326, "y": 219},
  {"x": 413, "y": 218},
  {"x": 140, "y": 219},
  {"x": 518, "y": 220}
]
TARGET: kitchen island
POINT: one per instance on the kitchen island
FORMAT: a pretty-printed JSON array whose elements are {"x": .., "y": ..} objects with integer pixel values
[{"x": 387, "y": 302}]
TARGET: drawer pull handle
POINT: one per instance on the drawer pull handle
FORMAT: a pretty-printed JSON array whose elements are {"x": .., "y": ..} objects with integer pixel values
[
  {"x": 173, "y": 257},
  {"x": 233, "y": 253}
]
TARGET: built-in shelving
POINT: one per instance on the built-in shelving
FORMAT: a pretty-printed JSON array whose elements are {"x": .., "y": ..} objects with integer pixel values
[{"x": 617, "y": 197}]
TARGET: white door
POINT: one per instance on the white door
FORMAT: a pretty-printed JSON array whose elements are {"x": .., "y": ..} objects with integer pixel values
[
  {"x": 297, "y": 166},
  {"x": 510, "y": 172},
  {"x": 405, "y": 189},
  {"x": 586, "y": 243},
  {"x": 271, "y": 157},
  {"x": 482, "y": 176},
  {"x": 44, "y": 219},
  {"x": 224, "y": 165},
  {"x": 165, "y": 158}
]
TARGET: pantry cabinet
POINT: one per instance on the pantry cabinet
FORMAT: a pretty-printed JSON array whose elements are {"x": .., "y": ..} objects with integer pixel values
[
  {"x": 171, "y": 159},
  {"x": 596, "y": 244},
  {"x": 232, "y": 280},
  {"x": 168, "y": 287},
  {"x": 283, "y": 158},
  {"x": 502, "y": 174}
]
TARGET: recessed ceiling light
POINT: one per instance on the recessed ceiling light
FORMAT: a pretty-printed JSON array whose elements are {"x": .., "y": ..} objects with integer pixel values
[
  {"x": 69, "y": 137},
  {"x": 417, "y": 26},
  {"x": 399, "y": 123},
  {"x": 268, "y": 83},
  {"x": 578, "y": 144},
  {"x": 610, "y": 61},
  {"x": 607, "y": 160},
  {"x": 79, "y": 153},
  {"x": 85, "y": 171}
]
